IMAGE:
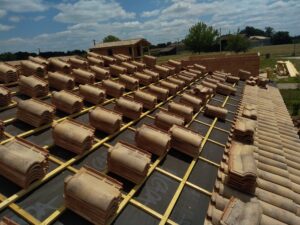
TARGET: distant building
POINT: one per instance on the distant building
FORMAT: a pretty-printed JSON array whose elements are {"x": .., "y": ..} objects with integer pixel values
[
  {"x": 256, "y": 41},
  {"x": 133, "y": 47}
]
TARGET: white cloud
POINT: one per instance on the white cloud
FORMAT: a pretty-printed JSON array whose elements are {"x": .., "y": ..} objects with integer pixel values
[
  {"x": 23, "y": 5},
  {"x": 5, "y": 28},
  {"x": 2, "y": 13},
  {"x": 38, "y": 18},
  {"x": 150, "y": 13},
  {"x": 91, "y": 11},
  {"x": 15, "y": 19}
]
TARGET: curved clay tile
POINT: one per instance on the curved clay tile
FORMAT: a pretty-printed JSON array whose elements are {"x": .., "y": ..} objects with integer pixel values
[
  {"x": 78, "y": 63},
  {"x": 35, "y": 112},
  {"x": 33, "y": 86},
  {"x": 192, "y": 101},
  {"x": 60, "y": 81},
  {"x": 73, "y": 136},
  {"x": 128, "y": 107},
  {"x": 185, "y": 140},
  {"x": 143, "y": 78},
  {"x": 232, "y": 79},
  {"x": 185, "y": 78},
  {"x": 95, "y": 55},
  {"x": 176, "y": 64},
  {"x": 242, "y": 171},
  {"x": 92, "y": 94},
  {"x": 224, "y": 89},
  {"x": 184, "y": 111},
  {"x": 5, "y": 96},
  {"x": 22, "y": 162},
  {"x": 152, "y": 139},
  {"x": 209, "y": 85},
  {"x": 237, "y": 212},
  {"x": 244, "y": 75},
  {"x": 39, "y": 60},
  {"x": 128, "y": 161},
  {"x": 127, "y": 57},
  {"x": 202, "y": 92},
  {"x": 165, "y": 120},
  {"x": 216, "y": 77},
  {"x": 262, "y": 82},
  {"x": 108, "y": 60},
  {"x": 105, "y": 120},
  {"x": 113, "y": 88},
  {"x": 83, "y": 76},
  {"x": 244, "y": 129},
  {"x": 154, "y": 75},
  {"x": 59, "y": 65},
  {"x": 130, "y": 67},
  {"x": 148, "y": 100},
  {"x": 177, "y": 81},
  {"x": 150, "y": 61},
  {"x": 195, "y": 71},
  {"x": 130, "y": 83},
  {"x": 140, "y": 66},
  {"x": 163, "y": 71},
  {"x": 95, "y": 61},
  {"x": 117, "y": 70},
  {"x": 173, "y": 88},
  {"x": 120, "y": 58},
  {"x": 100, "y": 73},
  {"x": 249, "y": 111},
  {"x": 172, "y": 69},
  {"x": 200, "y": 67},
  {"x": 92, "y": 195},
  {"x": 160, "y": 92},
  {"x": 8, "y": 73},
  {"x": 212, "y": 80},
  {"x": 193, "y": 76},
  {"x": 67, "y": 101},
  {"x": 215, "y": 111},
  {"x": 32, "y": 68}
]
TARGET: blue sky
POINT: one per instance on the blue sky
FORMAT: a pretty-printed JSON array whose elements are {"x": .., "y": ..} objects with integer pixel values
[{"x": 61, "y": 25}]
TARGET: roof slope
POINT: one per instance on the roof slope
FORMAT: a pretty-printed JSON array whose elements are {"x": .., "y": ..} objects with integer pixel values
[{"x": 129, "y": 42}]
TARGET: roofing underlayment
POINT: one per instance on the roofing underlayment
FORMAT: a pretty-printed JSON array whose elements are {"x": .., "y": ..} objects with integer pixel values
[{"x": 233, "y": 162}]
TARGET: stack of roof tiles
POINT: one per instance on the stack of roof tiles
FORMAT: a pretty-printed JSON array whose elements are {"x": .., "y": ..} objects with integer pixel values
[
  {"x": 260, "y": 179},
  {"x": 67, "y": 101},
  {"x": 35, "y": 112},
  {"x": 60, "y": 81},
  {"x": 22, "y": 162},
  {"x": 92, "y": 94},
  {"x": 33, "y": 86},
  {"x": 8, "y": 73},
  {"x": 73, "y": 136},
  {"x": 105, "y": 120},
  {"x": 128, "y": 161},
  {"x": 5, "y": 96},
  {"x": 92, "y": 195},
  {"x": 56, "y": 64},
  {"x": 31, "y": 68}
]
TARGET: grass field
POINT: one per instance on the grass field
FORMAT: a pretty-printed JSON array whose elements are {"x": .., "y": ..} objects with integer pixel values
[{"x": 292, "y": 100}]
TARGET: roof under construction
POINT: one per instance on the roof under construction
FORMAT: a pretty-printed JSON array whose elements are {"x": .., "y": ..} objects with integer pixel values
[
  {"x": 226, "y": 151},
  {"x": 125, "y": 43}
]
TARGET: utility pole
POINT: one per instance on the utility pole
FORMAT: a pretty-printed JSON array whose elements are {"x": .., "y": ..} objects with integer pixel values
[
  {"x": 294, "y": 54},
  {"x": 94, "y": 41},
  {"x": 220, "y": 40},
  {"x": 39, "y": 51}
]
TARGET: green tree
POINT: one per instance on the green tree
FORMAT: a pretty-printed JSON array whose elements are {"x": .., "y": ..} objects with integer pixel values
[
  {"x": 111, "y": 38},
  {"x": 200, "y": 38},
  {"x": 269, "y": 31},
  {"x": 281, "y": 37},
  {"x": 237, "y": 43},
  {"x": 252, "y": 31}
]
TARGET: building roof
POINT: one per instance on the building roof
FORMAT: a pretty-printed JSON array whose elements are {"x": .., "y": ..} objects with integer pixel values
[
  {"x": 258, "y": 38},
  {"x": 129, "y": 42}
]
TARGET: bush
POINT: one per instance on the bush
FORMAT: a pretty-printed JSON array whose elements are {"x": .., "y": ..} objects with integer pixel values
[{"x": 237, "y": 43}]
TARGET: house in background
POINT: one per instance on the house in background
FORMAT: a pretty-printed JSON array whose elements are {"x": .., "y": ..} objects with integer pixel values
[
  {"x": 256, "y": 41},
  {"x": 133, "y": 47}
]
